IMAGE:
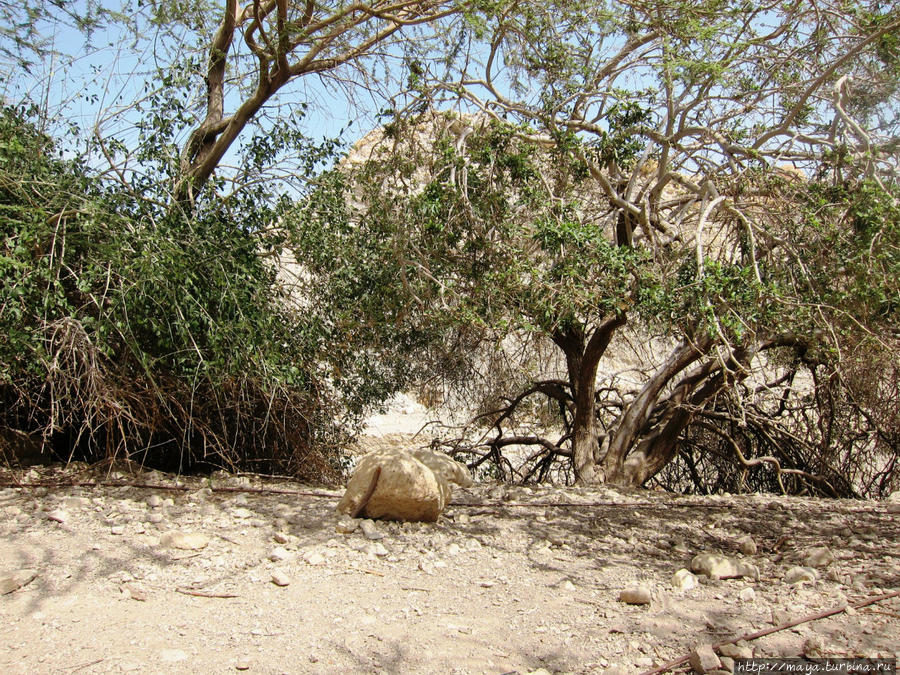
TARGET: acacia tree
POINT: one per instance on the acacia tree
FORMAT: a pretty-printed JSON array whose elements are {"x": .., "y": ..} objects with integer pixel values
[
  {"x": 687, "y": 144},
  {"x": 714, "y": 100}
]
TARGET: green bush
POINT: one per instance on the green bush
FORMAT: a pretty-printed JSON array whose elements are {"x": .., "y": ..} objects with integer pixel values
[{"x": 134, "y": 330}]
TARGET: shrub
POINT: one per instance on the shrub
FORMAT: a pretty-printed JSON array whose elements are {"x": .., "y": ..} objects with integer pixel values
[{"x": 134, "y": 330}]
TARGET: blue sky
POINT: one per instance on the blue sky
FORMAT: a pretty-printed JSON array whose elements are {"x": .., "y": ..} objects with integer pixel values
[{"x": 96, "y": 83}]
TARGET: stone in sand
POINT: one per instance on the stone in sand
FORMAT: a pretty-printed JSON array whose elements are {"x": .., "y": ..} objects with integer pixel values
[
  {"x": 189, "y": 541},
  {"x": 820, "y": 556},
  {"x": 704, "y": 660},
  {"x": 717, "y": 566},
  {"x": 684, "y": 580},
  {"x": 408, "y": 486},
  {"x": 636, "y": 596},
  {"x": 799, "y": 575}
]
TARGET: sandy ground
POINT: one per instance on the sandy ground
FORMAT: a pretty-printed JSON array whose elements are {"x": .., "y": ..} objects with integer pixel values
[{"x": 158, "y": 574}]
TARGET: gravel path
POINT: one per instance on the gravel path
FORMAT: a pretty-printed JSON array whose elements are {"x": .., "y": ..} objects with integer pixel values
[{"x": 230, "y": 574}]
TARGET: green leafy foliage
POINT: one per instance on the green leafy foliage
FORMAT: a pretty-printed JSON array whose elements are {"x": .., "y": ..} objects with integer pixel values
[
  {"x": 152, "y": 328},
  {"x": 850, "y": 258},
  {"x": 39, "y": 193},
  {"x": 481, "y": 248}
]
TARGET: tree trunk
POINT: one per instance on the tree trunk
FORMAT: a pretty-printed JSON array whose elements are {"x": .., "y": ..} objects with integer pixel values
[
  {"x": 584, "y": 433},
  {"x": 582, "y": 361},
  {"x": 632, "y": 423},
  {"x": 655, "y": 444}
]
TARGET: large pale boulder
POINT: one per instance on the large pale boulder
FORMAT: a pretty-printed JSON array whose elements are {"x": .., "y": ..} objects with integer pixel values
[
  {"x": 446, "y": 469},
  {"x": 395, "y": 484}
]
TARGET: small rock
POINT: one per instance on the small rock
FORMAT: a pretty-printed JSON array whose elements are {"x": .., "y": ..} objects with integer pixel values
[
  {"x": 135, "y": 592},
  {"x": 821, "y": 556},
  {"x": 453, "y": 549},
  {"x": 346, "y": 525},
  {"x": 190, "y": 541},
  {"x": 370, "y": 530},
  {"x": 636, "y": 596},
  {"x": 462, "y": 519},
  {"x": 154, "y": 501},
  {"x": 172, "y": 655},
  {"x": 704, "y": 660},
  {"x": 426, "y": 567},
  {"x": 243, "y": 664},
  {"x": 717, "y": 566},
  {"x": 727, "y": 663},
  {"x": 376, "y": 549},
  {"x": 281, "y": 538},
  {"x": 565, "y": 585},
  {"x": 314, "y": 558},
  {"x": 279, "y": 554},
  {"x": 155, "y": 518},
  {"x": 739, "y": 650},
  {"x": 539, "y": 671},
  {"x": 799, "y": 575},
  {"x": 279, "y": 578},
  {"x": 241, "y": 513},
  {"x": 683, "y": 580},
  {"x": 117, "y": 529},
  {"x": 747, "y": 594},
  {"x": 747, "y": 545},
  {"x": 58, "y": 516}
]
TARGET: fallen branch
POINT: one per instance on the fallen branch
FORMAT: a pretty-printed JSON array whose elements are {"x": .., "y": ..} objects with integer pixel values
[
  {"x": 205, "y": 594},
  {"x": 872, "y": 506},
  {"x": 17, "y": 585},
  {"x": 228, "y": 539},
  {"x": 365, "y": 571},
  {"x": 171, "y": 488},
  {"x": 871, "y": 600},
  {"x": 85, "y": 665},
  {"x": 186, "y": 557}
]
